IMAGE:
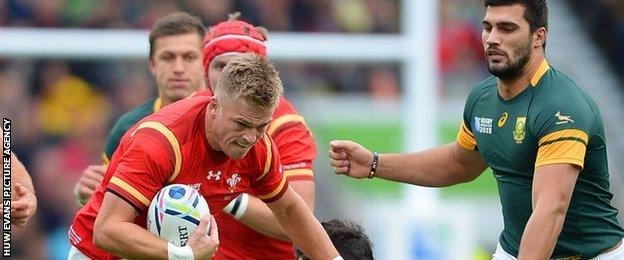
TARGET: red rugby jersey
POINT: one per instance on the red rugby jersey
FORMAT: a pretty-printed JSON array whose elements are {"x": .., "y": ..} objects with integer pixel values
[
  {"x": 297, "y": 150},
  {"x": 167, "y": 147}
]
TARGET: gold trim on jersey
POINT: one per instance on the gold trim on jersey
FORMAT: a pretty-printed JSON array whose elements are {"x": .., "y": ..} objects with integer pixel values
[
  {"x": 275, "y": 191},
  {"x": 105, "y": 159},
  {"x": 566, "y": 134},
  {"x": 564, "y": 146},
  {"x": 175, "y": 145},
  {"x": 539, "y": 73},
  {"x": 128, "y": 188},
  {"x": 298, "y": 172},
  {"x": 572, "y": 161},
  {"x": 278, "y": 122},
  {"x": 465, "y": 138},
  {"x": 267, "y": 164},
  {"x": 157, "y": 104}
]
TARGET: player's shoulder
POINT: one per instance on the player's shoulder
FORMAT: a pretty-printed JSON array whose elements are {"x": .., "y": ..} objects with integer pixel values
[
  {"x": 127, "y": 120},
  {"x": 284, "y": 107},
  {"x": 559, "y": 103},
  {"x": 486, "y": 88},
  {"x": 558, "y": 83},
  {"x": 560, "y": 90}
]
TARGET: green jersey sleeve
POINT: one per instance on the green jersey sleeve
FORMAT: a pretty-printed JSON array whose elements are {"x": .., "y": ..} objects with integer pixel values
[{"x": 564, "y": 120}]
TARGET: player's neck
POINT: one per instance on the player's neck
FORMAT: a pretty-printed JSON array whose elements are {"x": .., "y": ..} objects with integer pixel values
[
  {"x": 165, "y": 101},
  {"x": 510, "y": 88}
]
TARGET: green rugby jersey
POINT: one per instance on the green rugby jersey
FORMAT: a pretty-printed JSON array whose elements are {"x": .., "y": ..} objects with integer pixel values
[
  {"x": 125, "y": 122},
  {"x": 551, "y": 121}
]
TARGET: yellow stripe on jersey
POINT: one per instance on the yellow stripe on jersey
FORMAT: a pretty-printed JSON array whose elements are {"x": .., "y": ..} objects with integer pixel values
[
  {"x": 298, "y": 172},
  {"x": 539, "y": 73},
  {"x": 465, "y": 138},
  {"x": 105, "y": 159},
  {"x": 275, "y": 191},
  {"x": 157, "y": 104},
  {"x": 269, "y": 159},
  {"x": 280, "y": 121},
  {"x": 128, "y": 188},
  {"x": 175, "y": 145},
  {"x": 562, "y": 151},
  {"x": 566, "y": 134}
]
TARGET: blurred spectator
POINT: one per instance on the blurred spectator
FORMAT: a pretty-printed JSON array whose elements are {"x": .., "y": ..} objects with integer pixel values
[
  {"x": 461, "y": 57},
  {"x": 16, "y": 104},
  {"x": 384, "y": 84},
  {"x": 68, "y": 104},
  {"x": 211, "y": 12},
  {"x": 352, "y": 16},
  {"x": 47, "y": 13},
  {"x": 460, "y": 43}
]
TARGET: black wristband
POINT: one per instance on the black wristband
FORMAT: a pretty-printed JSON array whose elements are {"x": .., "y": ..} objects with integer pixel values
[{"x": 374, "y": 165}]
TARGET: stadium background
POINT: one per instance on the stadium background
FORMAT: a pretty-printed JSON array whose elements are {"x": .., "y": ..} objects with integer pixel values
[{"x": 62, "y": 109}]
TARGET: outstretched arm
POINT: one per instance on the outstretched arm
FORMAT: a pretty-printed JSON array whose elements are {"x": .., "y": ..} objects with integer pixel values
[{"x": 436, "y": 167}]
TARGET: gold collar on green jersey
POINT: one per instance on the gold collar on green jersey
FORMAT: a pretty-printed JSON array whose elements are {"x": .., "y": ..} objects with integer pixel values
[{"x": 539, "y": 73}]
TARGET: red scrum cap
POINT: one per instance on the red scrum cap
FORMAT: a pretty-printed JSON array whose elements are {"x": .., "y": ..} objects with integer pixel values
[{"x": 232, "y": 36}]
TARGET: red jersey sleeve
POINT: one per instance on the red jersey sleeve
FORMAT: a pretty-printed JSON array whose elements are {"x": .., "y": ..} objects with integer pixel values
[
  {"x": 271, "y": 184},
  {"x": 146, "y": 165},
  {"x": 297, "y": 149}
]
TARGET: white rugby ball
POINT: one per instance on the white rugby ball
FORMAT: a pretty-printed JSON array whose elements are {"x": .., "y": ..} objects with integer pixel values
[{"x": 175, "y": 212}]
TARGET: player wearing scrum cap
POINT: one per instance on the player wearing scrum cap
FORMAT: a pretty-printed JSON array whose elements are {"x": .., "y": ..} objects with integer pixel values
[{"x": 295, "y": 143}]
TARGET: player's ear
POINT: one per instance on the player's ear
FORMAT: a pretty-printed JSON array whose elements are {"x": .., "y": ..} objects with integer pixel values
[
  {"x": 213, "y": 107},
  {"x": 151, "y": 65},
  {"x": 539, "y": 37}
]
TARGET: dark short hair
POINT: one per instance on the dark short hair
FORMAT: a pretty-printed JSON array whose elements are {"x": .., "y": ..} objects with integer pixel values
[
  {"x": 536, "y": 12},
  {"x": 175, "y": 24},
  {"x": 349, "y": 239}
]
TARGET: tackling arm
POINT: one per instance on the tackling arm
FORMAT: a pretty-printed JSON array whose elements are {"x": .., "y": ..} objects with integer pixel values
[
  {"x": 306, "y": 232},
  {"x": 259, "y": 217}
]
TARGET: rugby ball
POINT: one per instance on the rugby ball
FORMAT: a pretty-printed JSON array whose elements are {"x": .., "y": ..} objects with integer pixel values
[{"x": 175, "y": 212}]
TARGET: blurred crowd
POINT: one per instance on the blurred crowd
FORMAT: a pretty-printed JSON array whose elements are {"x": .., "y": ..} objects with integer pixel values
[
  {"x": 62, "y": 110},
  {"x": 604, "y": 20}
]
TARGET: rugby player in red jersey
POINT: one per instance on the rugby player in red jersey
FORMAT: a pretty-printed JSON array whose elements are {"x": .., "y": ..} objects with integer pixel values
[
  {"x": 218, "y": 145},
  {"x": 253, "y": 231}
]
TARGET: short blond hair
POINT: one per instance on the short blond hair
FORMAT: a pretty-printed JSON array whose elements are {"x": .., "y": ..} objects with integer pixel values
[{"x": 252, "y": 78}]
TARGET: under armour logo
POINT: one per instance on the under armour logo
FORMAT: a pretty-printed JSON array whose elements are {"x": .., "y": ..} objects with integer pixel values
[{"x": 216, "y": 176}]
